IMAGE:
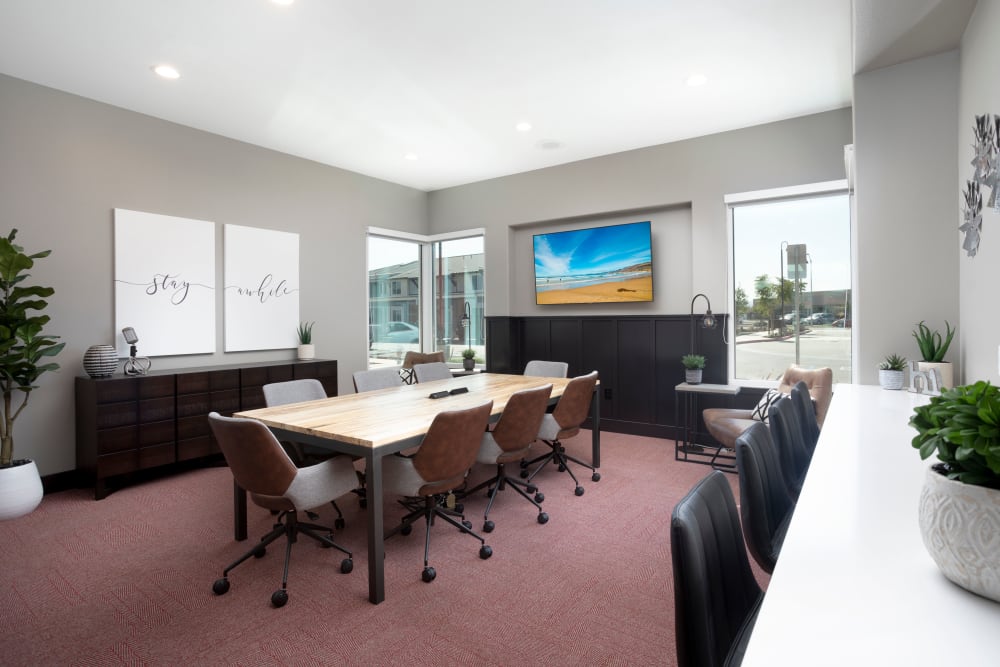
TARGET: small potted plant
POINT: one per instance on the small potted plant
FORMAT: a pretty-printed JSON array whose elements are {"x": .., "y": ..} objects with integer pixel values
[
  {"x": 468, "y": 359},
  {"x": 961, "y": 494},
  {"x": 932, "y": 350},
  {"x": 891, "y": 372},
  {"x": 693, "y": 364},
  {"x": 306, "y": 349}
]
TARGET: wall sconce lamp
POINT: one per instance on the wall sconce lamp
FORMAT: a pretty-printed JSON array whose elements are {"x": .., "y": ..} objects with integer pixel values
[{"x": 708, "y": 320}]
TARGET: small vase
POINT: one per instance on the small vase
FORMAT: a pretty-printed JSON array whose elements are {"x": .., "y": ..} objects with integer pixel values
[
  {"x": 692, "y": 375},
  {"x": 100, "y": 361},
  {"x": 958, "y": 523},
  {"x": 944, "y": 368},
  {"x": 20, "y": 490},
  {"x": 306, "y": 352},
  {"x": 469, "y": 364},
  {"x": 890, "y": 379}
]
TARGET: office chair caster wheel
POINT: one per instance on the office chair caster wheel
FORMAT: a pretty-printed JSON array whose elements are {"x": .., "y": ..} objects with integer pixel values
[
  {"x": 459, "y": 507},
  {"x": 406, "y": 529},
  {"x": 429, "y": 575},
  {"x": 346, "y": 566},
  {"x": 539, "y": 497},
  {"x": 485, "y": 551},
  {"x": 579, "y": 491},
  {"x": 259, "y": 552},
  {"x": 339, "y": 523},
  {"x": 221, "y": 586},
  {"x": 596, "y": 477},
  {"x": 543, "y": 517},
  {"x": 531, "y": 488},
  {"x": 466, "y": 526},
  {"x": 562, "y": 468},
  {"x": 279, "y": 598},
  {"x": 488, "y": 526},
  {"x": 524, "y": 473}
]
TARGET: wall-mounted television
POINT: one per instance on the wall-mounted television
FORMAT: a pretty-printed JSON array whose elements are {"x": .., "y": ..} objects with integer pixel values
[{"x": 608, "y": 264}]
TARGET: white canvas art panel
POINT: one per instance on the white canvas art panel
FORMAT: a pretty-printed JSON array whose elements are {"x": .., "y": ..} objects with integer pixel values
[
  {"x": 261, "y": 287},
  {"x": 164, "y": 283}
]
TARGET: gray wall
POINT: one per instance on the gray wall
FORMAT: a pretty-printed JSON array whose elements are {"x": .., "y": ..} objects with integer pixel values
[
  {"x": 66, "y": 162},
  {"x": 694, "y": 174},
  {"x": 905, "y": 120},
  {"x": 979, "y": 275}
]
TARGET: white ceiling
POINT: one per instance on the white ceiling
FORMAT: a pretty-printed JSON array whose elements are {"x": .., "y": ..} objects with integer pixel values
[{"x": 359, "y": 84}]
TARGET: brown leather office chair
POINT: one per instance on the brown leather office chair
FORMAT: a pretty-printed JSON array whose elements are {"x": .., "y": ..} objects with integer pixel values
[
  {"x": 565, "y": 422},
  {"x": 262, "y": 467},
  {"x": 726, "y": 424},
  {"x": 411, "y": 359},
  {"x": 509, "y": 442},
  {"x": 439, "y": 466}
]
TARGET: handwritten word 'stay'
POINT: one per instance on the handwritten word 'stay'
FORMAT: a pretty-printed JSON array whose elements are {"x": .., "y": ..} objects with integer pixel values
[
  {"x": 264, "y": 291},
  {"x": 164, "y": 282}
]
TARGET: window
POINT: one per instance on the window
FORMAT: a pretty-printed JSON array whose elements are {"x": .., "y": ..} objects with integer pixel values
[
  {"x": 435, "y": 280},
  {"x": 791, "y": 290}
]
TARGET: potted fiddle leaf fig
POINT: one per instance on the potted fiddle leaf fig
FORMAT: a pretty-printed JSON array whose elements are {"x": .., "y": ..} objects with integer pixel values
[
  {"x": 693, "y": 364},
  {"x": 961, "y": 493},
  {"x": 25, "y": 353},
  {"x": 933, "y": 347}
]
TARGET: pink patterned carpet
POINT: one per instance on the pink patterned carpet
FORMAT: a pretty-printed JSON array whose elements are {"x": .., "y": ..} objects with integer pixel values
[{"x": 127, "y": 580}]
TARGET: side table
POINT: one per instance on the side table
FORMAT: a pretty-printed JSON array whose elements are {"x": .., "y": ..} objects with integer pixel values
[{"x": 686, "y": 450}]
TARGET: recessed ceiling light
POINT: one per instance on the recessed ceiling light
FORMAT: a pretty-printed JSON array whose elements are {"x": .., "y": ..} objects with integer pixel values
[
  {"x": 167, "y": 72},
  {"x": 696, "y": 80},
  {"x": 523, "y": 126},
  {"x": 410, "y": 156},
  {"x": 548, "y": 144}
]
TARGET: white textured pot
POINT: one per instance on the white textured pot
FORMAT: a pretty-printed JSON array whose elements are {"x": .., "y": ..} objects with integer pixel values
[
  {"x": 692, "y": 375},
  {"x": 890, "y": 379},
  {"x": 960, "y": 525},
  {"x": 20, "y": 490},
  {"x": 307, "y": 352},
  {"x": 943, "y": 367}
]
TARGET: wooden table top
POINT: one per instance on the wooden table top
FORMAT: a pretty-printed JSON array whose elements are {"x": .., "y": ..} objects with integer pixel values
[{"x": 378, "y": 418}]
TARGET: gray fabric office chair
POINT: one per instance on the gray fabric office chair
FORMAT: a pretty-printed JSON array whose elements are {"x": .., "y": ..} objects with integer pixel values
[
  {"x": 765, "y": 504},
  {"x": 439, "y": 467},
  {"x": 300, "y": 391},
  {"x": 716, "y": 597},
  {"x": 546, "y": 369},
  {"x": 377, "y": 378},
  {"x": 436, "y": 370},
  {"x": 261, "y": 466},
  {"x": 786, "y": 435},
  {"x": 510, "y": 441},
  {"x": 565, "y": 422}
]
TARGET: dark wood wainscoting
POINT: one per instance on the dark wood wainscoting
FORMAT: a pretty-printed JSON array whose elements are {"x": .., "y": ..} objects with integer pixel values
[{"x": 638, "y": 357}]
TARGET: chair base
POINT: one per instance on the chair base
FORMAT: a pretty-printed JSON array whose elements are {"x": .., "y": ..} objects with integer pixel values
[
  {"x": 558, "y": 456},
  {"x": 498, "y": 483},
  {"x": 288, "y": 525},
  {"x": 434, "y": 507}
]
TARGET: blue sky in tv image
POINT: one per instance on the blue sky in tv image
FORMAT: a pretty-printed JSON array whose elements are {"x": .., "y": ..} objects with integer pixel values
[{"x": 581, "y": 257}]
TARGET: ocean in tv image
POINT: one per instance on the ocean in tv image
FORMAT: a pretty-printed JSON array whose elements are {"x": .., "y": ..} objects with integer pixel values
[{"x": 595, "y": 265}]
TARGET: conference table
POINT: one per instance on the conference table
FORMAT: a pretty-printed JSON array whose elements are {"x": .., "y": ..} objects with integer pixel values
[
  {"x": 854, "y": 584},
  {"x": 375, "y": 424}
]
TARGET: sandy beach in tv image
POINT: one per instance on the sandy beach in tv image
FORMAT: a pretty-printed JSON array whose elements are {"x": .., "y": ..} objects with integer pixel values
[{"x": 596, "y": 265}]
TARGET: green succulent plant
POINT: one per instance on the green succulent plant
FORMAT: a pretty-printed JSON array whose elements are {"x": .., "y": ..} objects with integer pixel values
[
  {"x": 963, "y": 426},
  {"x": 468, "y": 353},
  {"x": 693, "y": 361},
  {"x": 932, "y": 346},
  {"x": 893, "y": 362},
  {"x": 305, "y": 333}
]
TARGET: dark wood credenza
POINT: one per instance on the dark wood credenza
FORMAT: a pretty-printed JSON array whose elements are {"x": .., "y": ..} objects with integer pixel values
[{"x": 125, "y": 424}]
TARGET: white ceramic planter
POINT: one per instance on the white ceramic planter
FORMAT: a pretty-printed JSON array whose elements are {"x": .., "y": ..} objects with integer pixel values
[
  {"x": 960, "y": 526},
  {"x": 20, "y": 490},
  {"x": 890, "y": 379},
  {"x": 945, "y": 370},
  {"x": 306, "y": 352},
  {"x": 692, "y": 375}
]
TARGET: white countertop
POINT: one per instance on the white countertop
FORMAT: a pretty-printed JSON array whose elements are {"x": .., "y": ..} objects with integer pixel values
[{"x": 854, "y": 584}]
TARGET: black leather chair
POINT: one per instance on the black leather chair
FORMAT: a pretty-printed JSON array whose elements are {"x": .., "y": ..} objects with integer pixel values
[
  {"x": 716, "y": 597},
  {"x": 765, "y": 504},
  {"x": 786, "y": 435},
  {"x": 806, "y": 409}
]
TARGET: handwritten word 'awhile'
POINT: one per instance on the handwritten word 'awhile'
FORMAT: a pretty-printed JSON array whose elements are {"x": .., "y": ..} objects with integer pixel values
[
  {"x": 164, "y": 282},
  {"x": 264, "y": 291}
]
